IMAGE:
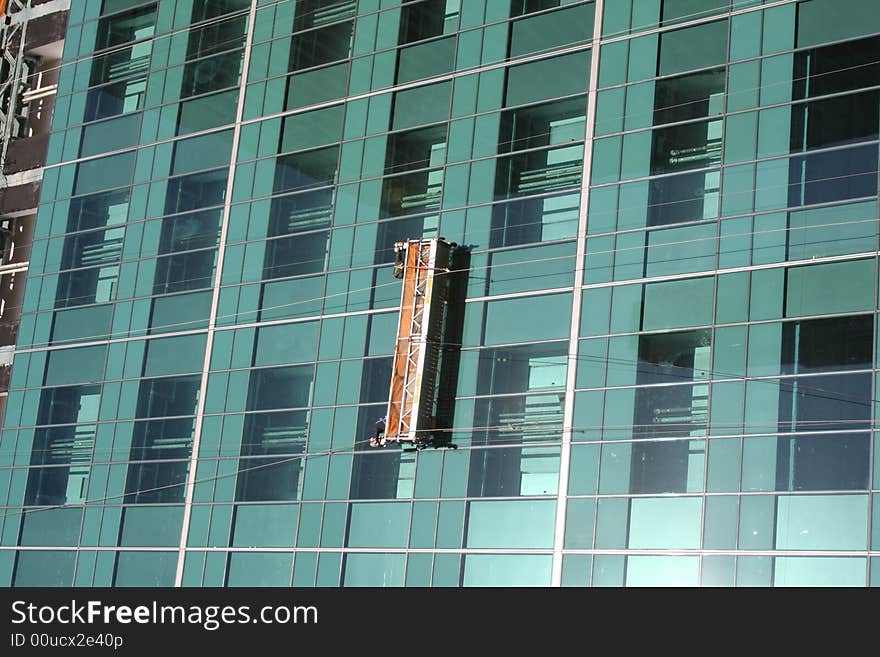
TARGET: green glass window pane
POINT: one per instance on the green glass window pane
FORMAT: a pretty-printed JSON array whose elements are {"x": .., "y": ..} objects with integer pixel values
[
  {"x": 145, "y": 569},
  {"x": 756, "y": 522},
  {"x": 255, "y": 569},
  {"x": 286, "y": 343},
  {"x": 613, "y": 63},
  {"x": 579, "y": 518},
  {"x": 81, "y": 365},
  {"x": 421, "y": 105},
  {"x": 718, "y": 571},
  {"x": 507, "y": 570},
  {"x": 379, "y": 525},
  {"x": 374, "y": 569},
  {"x": 576, "y": 569},
  {"x": 112, "y": 135},
  {"x": 665, "y": 523},
  {"x": 819, "y": 21},
  {"x": 677, "y": 304},
  {"x": 544, "y": 32},
  {"x": 447, "y": 570},
  {"x": 312, "y": 129},
  {"x": 181, "y": 312},
  {"x": 322, "y": 85},
  {"x": 175, "y": 355},
  {"x": 39, "y": 568},
  {"x": 721, "y": 520},
  {"x": 693, "y": 47},
  {"x": 207, "y": 112},
  {"x": 425, "y": 60},
  {"x": 92, "y": 322},
  {"x": 742, "y": 86},
  {"x": 819, "y": 571},
  {"x": 264, "y": 525},
  {"x": 522, "y": 320},
  {"x": 649, "y": 570},
  {"x": 608, "y": 570},
  {"x": 51, "y": 527},
  {"x": 511, "y": 524},
  {"x": 152, "y": 526},
  {"x": 616, "y": 18},
  {"x": 104, "y": 173},
  {"x": 548, "y": 78},
  {"x": 754, "y": 571},
  {"x": 204, "y": 152},
  {"x": 832, "y": 288},
  {"x": 829, "y": 231},
  {"x": 822, "y": 522}
]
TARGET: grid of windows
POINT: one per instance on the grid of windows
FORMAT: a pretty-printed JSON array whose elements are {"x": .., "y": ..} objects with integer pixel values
[{"x": 667, "y": 370}]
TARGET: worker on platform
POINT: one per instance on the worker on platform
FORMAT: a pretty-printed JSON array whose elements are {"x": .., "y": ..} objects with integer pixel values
[{"x": 378, "y": 437}]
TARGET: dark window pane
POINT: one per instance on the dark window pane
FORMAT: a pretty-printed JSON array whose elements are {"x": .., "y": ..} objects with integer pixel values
[
  {"x": 835, "y": 121},
  {"x": 416, "y": 149},
  {"x": 834, "y": 462},
  {"x": 688, "y": 146},
  {"x": 162, "y": 439},
  {"x": 689, "y": 96},
  {"x": 301, "y": 212},
  {"x": 833, "y": 176},
  {"x": 822, "y": 345},
  {"x": 211, "y": 74},
  {"x": 216, "y": 36},
  {"x": 674, "y": 357},
  {"x": 837, "y": 68},
  {"x": 194, "y": 191},
  {"x": 549, "y": 124},
  {"x": 308, "y": 169},
  {"x": 195, "y": 230},
  {"x": 296, "y": 254},
  {"x": 323, "y": 46},
  {"x": 156, "y": 482},
  {"x": 686, "y": 197},
  {"x": 427, "y": 18},
  {"x": 315, "y": 13},
  {"x": 669, "y": 411},
  {"x": 535, "y": 219},
  {"x": 168, "y": 396},
  {"x": 184, "y": 271},
  {"x": 280, "y": 387}
]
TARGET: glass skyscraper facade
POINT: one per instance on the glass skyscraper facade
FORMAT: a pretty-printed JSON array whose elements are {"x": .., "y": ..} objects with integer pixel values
[{"x": 667, "y": 367}]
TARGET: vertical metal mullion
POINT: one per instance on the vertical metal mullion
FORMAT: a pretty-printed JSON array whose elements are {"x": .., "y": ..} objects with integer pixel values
[
  {"x": 568, "y": 410},
  {"x": 215, "y": 298}
]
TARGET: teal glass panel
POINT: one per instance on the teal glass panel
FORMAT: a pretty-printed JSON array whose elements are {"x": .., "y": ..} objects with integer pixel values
[
  {"x": 82, "y": 365},
  {"x": 104, "y": 173},
  {"x": 379, "y": 525},
  {"x": 548, "y": 78},
  {"x": 312, "y": 129},
  {"x": 286, "y": 343},
  {"x": 51, "y": 527},
  {"x": 145, "y": 569},
  {"x": 665, "y": 523},
  {"x": 523, "y": 320},
  {"x": 832, "y": 288},
  {"x": 819, "y": 571},
  {"x": 820, "y": 21},
  {"x": 544, "y": 32},
  {"x": 421, "y": 105},
  {"x": 677, "y": 304},
  {"x": 822, "y": 522},
  {"x": 264, "y": 525},
  {"x": 511, "y": 524},
  {"x": 149, "y": 526},
  {"x": 374, "y": 569},
  {"x": 39, "y": 568},
  {"x": 693, "y": 47},
  {"x": 507, "y": 570},
  {"x": 256, "y": 569},
  {"x": 649, "y": 570},
  {"x": 175, "y": 355}
]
